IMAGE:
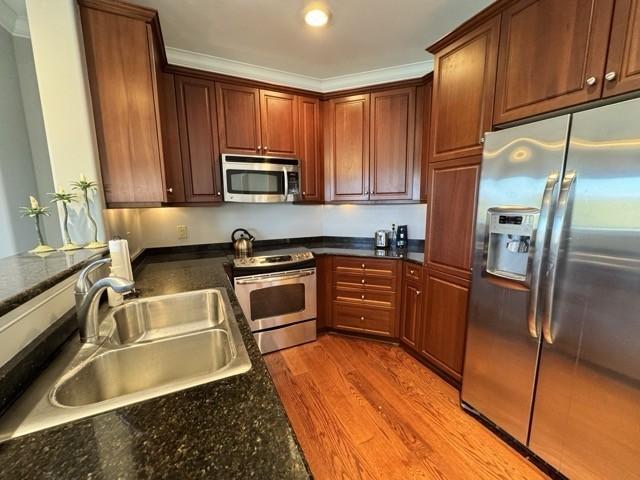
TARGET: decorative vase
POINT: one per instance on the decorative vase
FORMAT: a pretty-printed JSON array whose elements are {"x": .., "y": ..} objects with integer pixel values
[
  {"x": 84, "y": 185},
  {"x": 35, "y": 211}
]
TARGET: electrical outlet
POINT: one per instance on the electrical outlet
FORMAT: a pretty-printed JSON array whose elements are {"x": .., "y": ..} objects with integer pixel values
[{"x": 182, "y": 232}]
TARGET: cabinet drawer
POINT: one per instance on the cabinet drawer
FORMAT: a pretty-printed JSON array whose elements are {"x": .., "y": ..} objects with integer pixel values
[
  {"x": 363, "y": 297},
  {"x": 368, "y": 266},
  {"x": 374, "y": 321},
  {"x": 413, "y": 272},
  {"x": 363, "y": 282}
]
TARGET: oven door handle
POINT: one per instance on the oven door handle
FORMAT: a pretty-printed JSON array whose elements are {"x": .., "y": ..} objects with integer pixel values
[{"x": 273, "y": 278}]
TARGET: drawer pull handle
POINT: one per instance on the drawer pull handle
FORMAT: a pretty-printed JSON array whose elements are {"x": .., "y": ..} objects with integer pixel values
[
  {"x": 362, "y": 297},
  {"x": 362, "y": 281},
  {"x": 363, "y": 266}
]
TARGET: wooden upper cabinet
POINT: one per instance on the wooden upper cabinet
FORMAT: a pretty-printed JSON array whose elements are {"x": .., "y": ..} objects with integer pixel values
[
  {"x": 393, "y": 114},
  {"x": 279, "y": 123},
  {"x": 443, "y": 335},
  {"x": 425, "y": 144},
  {"x": 452, "y": 204},
  {"x": 348, "y": 148},
  {"x": 198, "y": 139},
  {"x": 238, "y": 119},
  {"x": 121, "y": 64},
  {"x": 310, "y": 150},
  {"x": 463, "y": 93},
  {"x": 171, "y": 138},
  {"x": 552, "y": 55},
  {"x": 623, "y": 63}
]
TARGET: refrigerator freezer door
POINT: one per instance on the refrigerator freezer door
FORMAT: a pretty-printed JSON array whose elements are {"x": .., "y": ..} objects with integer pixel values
[
  {"x": 586, "y": 418},
  {"x": 520, "y": 169}
]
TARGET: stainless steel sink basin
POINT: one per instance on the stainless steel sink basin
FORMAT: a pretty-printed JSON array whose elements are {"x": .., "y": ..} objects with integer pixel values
[
  {"x": 153, "y": 318},
  {"x": 150, "y": 347},
  {"x": 163, "y": 364}
]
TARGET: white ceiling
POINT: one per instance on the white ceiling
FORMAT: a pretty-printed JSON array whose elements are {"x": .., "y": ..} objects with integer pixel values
[{"x": 384, "y": 38}]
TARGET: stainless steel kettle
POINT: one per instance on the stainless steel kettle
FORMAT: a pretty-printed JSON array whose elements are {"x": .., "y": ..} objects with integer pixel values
[{"x": 242, "y": 245}]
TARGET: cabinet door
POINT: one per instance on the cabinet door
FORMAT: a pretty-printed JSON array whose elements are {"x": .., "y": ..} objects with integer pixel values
[
  {"x": 348, "y": 143},
  {"x": 310, "y": 153},
  {"x": 452, "y": 205},
  {"x": 324, "y": 290},
  {"x": 392, "y": 134},
  {"x": 198, "y": 141},
  {"x": 463, "y": 93},
  {"x": 121, "y": 68},
  {"x": 279, "y": 123},
  {"x": 623, "y": 63},
  {"x": 552, "y": 55},
  {"x": 425, "y": 143},
  {"x": 238, "y": 119},
  {"x": 171, "y": 138},
  {"x": 411, "y": 318},
  {"x": 445, "y": 324}
]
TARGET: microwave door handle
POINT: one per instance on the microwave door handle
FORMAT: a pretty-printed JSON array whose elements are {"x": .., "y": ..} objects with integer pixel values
[
  {"x": 554, "y": 250},
  {"x": 272, "y": 278},
  {"x": 286, "y": 184},
  {"x": 538, "y": 252}
]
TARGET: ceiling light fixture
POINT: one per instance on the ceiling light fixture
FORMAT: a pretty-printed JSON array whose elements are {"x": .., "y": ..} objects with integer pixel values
[{"x": 316, "y": 16}]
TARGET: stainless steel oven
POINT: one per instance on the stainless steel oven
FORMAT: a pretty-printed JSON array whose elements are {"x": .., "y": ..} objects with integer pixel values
[
  {"x": 260, "y": 179},
  {"x": 279, "y": 303}
]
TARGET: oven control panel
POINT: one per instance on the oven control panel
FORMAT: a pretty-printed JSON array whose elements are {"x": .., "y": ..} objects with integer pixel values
[{"x": 272, "y": 260}]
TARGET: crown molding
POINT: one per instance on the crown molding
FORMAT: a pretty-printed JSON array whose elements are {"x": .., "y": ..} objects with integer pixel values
[
  {"x": 12, "y": 23},
  {"x": 185, "y": 58}
]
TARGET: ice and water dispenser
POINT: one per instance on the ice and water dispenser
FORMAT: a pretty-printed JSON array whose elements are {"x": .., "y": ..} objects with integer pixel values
[{"x": 510, "y": 236}]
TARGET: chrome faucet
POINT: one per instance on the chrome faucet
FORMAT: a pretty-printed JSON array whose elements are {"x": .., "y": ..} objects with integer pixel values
[{"x": 88, "y": 295}]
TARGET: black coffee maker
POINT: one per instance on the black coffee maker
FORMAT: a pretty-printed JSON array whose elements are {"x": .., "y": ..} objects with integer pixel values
[{"x": 402, "y": 236}]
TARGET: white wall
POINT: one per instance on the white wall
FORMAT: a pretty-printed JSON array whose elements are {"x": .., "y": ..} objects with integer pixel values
[
  {"x": 156, "y": 227},
  {"x": 66, "y": 104}
]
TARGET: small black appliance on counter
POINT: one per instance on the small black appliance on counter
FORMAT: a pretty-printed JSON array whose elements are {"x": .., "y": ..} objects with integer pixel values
[{"x": 402, "y": 236}]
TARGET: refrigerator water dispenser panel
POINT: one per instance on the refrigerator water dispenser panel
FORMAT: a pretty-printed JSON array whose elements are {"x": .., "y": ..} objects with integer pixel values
[{"x": 511, "y": 231}]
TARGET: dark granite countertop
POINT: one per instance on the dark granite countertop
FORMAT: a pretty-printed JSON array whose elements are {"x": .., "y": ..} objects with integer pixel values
[
  {"x": 232, "y": 428},
  {"x": 27, "y": 275}
]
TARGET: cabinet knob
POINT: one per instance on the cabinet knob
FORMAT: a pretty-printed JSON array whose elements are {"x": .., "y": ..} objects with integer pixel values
[
  {"x": 411, "y": 272},
  {"x": 591, "y": 81},
  {"x": 362, "y": 281},
  {"x": 259, "y": 147},
  {"x": 218, "y": 193},
  {"x": 611, "y": 76},
  {"x": 361, "y": 318},
  {"x": 367, "y": 192},
  {"x": 482, "y": 139},
  {"x": 363, "y": 265},
  {"x": 266, "y": 148},
  {"x": 304, "y": 193},
  {"x": 170, "y": 190},
  {"x": 417, "y": 292},
  {"x": 362, "y": 296}
]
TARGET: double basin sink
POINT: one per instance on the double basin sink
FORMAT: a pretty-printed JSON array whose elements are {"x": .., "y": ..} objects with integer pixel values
[{"x": 149, "y": 347}]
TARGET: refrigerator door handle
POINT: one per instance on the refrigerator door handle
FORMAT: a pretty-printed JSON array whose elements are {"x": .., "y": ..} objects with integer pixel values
[
  {"x": 554, "y": 250},
  {"x": 538, "y": 253}
]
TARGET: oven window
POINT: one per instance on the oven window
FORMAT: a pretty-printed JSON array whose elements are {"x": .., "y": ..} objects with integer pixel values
[
  {"x": 255, "y": 182},
  {"x": 276, "y": 301}
]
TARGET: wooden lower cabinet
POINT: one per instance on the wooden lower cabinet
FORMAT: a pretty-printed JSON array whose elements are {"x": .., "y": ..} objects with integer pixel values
[
  {"x": 365, "y": 297},
  {"x": 445, "y": 322},
  {"x": 411, "y": 319}
]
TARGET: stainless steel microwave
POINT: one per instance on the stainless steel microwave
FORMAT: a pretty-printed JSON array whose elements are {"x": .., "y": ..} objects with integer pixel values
[{"x": 260, "y": 179}]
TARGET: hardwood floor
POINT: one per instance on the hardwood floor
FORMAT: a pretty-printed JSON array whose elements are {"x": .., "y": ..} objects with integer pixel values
[{"x": 369, "y": 410}]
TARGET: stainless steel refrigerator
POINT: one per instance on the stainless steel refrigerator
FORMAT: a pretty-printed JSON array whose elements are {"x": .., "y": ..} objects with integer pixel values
[{"x": 553, "y": 343}]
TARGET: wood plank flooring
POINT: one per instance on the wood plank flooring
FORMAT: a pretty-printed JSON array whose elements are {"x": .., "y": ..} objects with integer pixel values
[{"x": 368, "y": 410}]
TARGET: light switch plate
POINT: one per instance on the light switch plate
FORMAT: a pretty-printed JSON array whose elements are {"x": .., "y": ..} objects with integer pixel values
[{"x": 182, "y": 232}]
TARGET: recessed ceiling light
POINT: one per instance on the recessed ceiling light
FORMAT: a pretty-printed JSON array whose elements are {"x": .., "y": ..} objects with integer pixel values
[{"x": 316, "y": 17}]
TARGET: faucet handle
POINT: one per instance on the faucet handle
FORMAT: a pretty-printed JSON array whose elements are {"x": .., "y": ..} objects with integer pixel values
[{"x": 83, "y": 284}]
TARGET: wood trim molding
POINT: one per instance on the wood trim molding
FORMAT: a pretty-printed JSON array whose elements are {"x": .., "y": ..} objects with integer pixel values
[
  {"x": 494, "y": 9},
  {"x": 227, "y": 67}
]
